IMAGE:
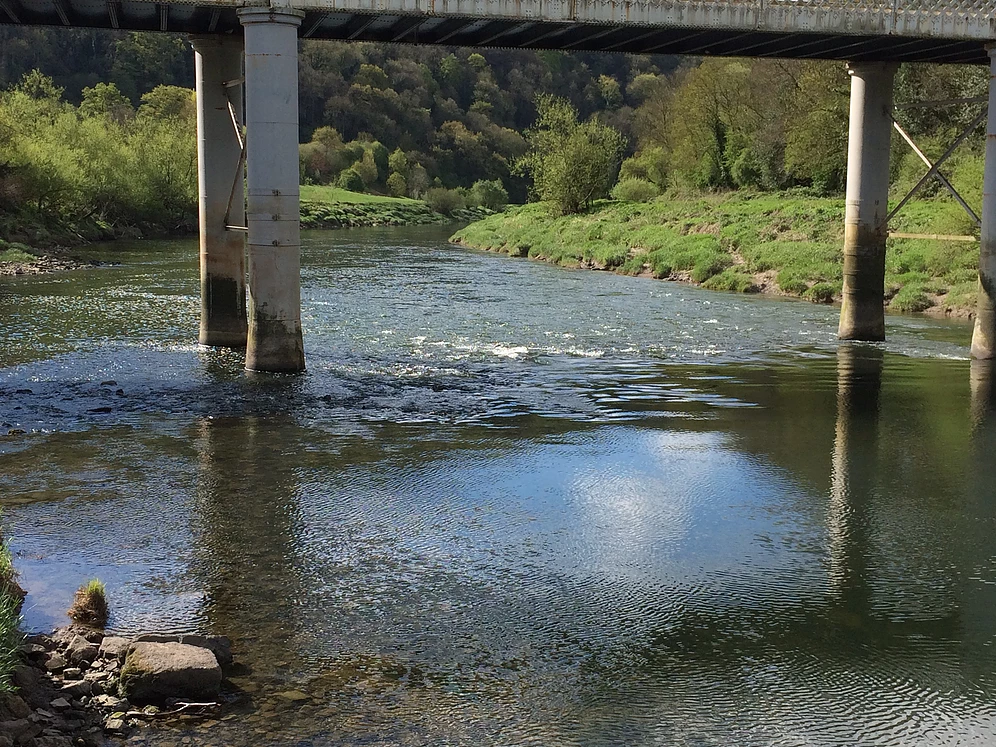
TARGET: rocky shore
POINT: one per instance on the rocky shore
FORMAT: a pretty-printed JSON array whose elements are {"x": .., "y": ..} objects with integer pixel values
[
  {"x": 79, "y": 685},
  {"x": 42, "y": 265}
]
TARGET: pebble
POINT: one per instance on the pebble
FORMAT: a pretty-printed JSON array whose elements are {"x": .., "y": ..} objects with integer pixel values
[
  {"x": 60, "y": 704},
  {"x": 114, "y": 724},
  {"x": 72, "y": 673}
]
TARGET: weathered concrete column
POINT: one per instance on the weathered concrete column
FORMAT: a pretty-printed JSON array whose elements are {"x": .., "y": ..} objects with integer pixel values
[
  {"x": 218, "y": 59},
  {"x": 984, "y": 336},
  {"x": 862, "y": 316},
  {"x": 275, "y": 339}
]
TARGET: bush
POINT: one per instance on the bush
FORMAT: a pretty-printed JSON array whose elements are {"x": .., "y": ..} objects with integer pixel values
[
  {"x": 572, "y": 164},
  {"x": 397, "y": 185},
  {"x": 351, "y": 180},
  {"x": 731, "y": 280},
  {"x": 635, "y": 190},
  {"x": 910, "y": 299},
  {"x": 490, "y": 194},
  {"x": 90, "y": 604},
  {"x": 444, "y": 201},
  {"x": 820, "y": 293}
]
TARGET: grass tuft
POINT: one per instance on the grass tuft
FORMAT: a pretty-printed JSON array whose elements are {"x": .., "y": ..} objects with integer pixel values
[{"x": 90, "y": 604}]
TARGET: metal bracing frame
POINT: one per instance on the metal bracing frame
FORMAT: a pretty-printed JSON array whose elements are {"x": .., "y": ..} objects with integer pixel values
[
  {"x": 239, "y": 178},
  {"x": 933, "y": 169}
]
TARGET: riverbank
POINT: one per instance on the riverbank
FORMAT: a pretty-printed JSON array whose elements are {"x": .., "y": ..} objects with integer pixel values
[
  {"x": 777, "y": 243},
  {"x": 326, "y": 207}
]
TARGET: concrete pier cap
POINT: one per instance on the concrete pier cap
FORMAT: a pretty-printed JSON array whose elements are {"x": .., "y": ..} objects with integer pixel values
[
  {"x": 862, "y": 314},
  {"x": 984, "y": 334},
  {"x": 218, "y": 61},
  {"x": 275, "y": 341}
]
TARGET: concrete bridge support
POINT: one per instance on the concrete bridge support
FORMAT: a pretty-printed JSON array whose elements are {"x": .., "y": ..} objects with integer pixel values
[
  {"x": 275, "y": 341},
  {"x": 984, "y": 336},
  {"x": 862, "y": 316},
  {"x": 218, "y": 60}
]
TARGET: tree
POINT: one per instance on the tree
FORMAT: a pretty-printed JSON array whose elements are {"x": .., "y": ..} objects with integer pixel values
[
  {"x": 106, "y": 100},
  {"x": 572, "y": 164},
  {"x": 490, "y": 193},
  {"x": 397, "y": 185}
]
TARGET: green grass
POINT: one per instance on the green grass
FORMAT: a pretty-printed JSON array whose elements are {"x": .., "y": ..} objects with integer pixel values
[
  {"x": 10, "y": 619},
  {"x": 322, "y": 193},
  {"x": 736, "y": 241},
  {"x": 90, "y": 604},
  {"x": 14, "y": 252}
]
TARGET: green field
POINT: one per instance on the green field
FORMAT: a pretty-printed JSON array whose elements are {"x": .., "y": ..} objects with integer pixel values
[
  {"x": 785, "y": 243},
  {"x": 321, "y": 193}
]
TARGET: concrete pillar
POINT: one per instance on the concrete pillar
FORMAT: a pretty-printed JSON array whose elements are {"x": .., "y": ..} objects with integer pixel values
[
  {"x": 984, "y": 336},
  {"x": 862, "y": 316},
  {"x": 275, "y": 340},
  {"x": 223, "y": 285}
]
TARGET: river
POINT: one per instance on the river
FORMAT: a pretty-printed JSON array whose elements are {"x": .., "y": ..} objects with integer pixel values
[{"x": 512, "y": 504}]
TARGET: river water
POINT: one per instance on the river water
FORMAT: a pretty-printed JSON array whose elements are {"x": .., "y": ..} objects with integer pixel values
[{"x": 512, "y": 504}]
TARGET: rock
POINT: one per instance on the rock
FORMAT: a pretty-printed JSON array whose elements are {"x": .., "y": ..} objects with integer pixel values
[
  {"x": 294, "y": 696},
  {"x": 219, "y": 645},
  {"x": 33, "y": 650},
  {"x": 20, "y": 731},
  {"x": 107, "y": 702},
  {"x": 114, "y": 724},
  {"x": 76, "y": 689},
  {"x": 42, "y": 715},
  {"x": 13, "y": 707},
  {"x": 26, "y": 678},
  {"x": 155, "y": 671},
  {"x": 157, "y": 638},
  {"x": 114, "y": 647},
  {"x": 60, "y": 704},
  {"x": 79, "y": 649},
  {"x": 6, "y": 741},
  {"x": 60, "y": 740},
  {"x": 72, "y": 673},
  {"x": 55, "y": 662}
]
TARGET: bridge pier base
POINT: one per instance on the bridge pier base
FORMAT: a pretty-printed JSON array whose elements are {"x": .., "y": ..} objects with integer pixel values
[
  {"x": 218, "y": 59},
  {"x": 275, "y": 339},
  {"x": 984, "y": 335},
  {"x": 862, "y": 316}
]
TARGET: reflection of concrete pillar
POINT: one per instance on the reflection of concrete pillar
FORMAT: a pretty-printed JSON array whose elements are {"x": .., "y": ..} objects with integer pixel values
[
  {"x": 983, "y": 384},
  {"x": 984, "y": 336},
  {"x": 862, "y": 316},
  {"x": 275, "y": 339},
  {"x": 855, "y": 461},
  {"x": 218, "y": 59},
  {"x": 245, "y": 526}
]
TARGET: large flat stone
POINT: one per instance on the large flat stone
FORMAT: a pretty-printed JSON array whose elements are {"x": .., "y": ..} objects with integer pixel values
[{"x": 155, "y": 671}]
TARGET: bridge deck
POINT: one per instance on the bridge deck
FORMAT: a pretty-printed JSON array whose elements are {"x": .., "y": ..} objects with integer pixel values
[{"x": 902, "y": 30}]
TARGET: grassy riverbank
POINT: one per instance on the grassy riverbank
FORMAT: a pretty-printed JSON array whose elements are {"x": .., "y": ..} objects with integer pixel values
[
  {"x": 332, "y": 207},
  {"x": 781, "y": 243}
]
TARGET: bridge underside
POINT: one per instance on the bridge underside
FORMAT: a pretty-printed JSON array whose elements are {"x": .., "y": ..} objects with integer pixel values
[{"x": 422, "y": 28}]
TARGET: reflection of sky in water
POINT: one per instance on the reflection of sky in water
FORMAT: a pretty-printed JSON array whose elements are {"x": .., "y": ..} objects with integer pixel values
[{"x": 513, "y": 504}]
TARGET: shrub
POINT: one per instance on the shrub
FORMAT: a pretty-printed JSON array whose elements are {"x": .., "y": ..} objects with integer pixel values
[
  {"x": 351, "y": 180},
  {"x": 910, "y": 298},
  {"x": 490, "y": 193},
  {"x": 444, "y": 201},
  {"x": 90, "y": 604},
  {"x": 635, "y": 190},
  {"x": 793, "y": 287},
  {"x": 820, "y": 293},
  {"x": 731, "y": 280},
  {"x": 397, "y": 185}
]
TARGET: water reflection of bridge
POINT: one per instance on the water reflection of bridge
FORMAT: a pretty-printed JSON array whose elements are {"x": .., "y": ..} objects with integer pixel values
[{"x": 253, "y": 46}]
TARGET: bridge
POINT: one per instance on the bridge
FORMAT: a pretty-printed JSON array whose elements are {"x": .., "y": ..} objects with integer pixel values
[{"x": 247, "y": 116}]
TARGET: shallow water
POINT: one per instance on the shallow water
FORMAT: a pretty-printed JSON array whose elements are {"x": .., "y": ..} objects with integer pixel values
[{"x": 513, "y": 504}]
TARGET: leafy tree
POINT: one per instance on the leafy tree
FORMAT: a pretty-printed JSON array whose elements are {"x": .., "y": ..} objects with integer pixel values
[
  {"x": 397, "y": 185},
  {"x": 490, "y": 194},
  {"x": 351, "y": 180},
  {"x": 106, "y": 100},
  {"x": 571, "y": 163}
]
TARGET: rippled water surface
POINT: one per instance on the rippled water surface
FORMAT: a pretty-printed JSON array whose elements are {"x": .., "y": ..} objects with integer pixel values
[{"x": 513, "y": 504}]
